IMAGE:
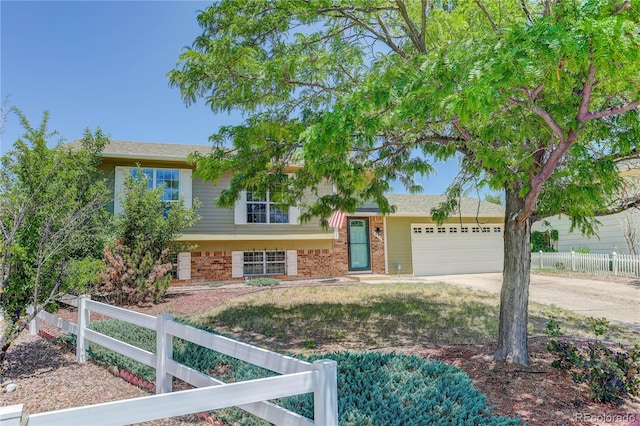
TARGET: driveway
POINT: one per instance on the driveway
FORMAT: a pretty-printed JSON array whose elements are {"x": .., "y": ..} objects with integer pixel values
[{"x": 617, "y": 302}]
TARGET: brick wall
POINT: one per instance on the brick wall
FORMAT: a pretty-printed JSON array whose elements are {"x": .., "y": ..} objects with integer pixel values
[
  {"x": 319, "y": 263},
  {"x": 377, "y": 245},
  {"x": 210, "y": 266},
  {"x": 216, "y": 265}
]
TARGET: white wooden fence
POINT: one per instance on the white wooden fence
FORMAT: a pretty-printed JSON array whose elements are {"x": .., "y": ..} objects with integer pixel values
[
  {"x": 296, "y": 377},
  {"x": 620, "y": 265}
]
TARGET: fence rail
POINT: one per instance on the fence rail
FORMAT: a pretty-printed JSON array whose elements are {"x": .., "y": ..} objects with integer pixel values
[
  {"x": 619, "y": 265},
  {"x": 296, "y": 376}
]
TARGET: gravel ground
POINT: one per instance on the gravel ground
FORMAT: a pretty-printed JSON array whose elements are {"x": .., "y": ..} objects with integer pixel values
[{"x": 48, "y": 378}]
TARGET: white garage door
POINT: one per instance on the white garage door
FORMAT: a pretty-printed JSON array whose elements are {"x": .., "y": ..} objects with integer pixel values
[{"x": 456, "y": 249}]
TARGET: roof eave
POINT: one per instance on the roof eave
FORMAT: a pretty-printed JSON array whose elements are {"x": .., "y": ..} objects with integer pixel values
[{"x": 144, "y": 157}]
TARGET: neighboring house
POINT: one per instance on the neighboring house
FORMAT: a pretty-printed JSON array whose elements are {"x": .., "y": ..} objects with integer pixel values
[
  {"x": 610, "y": 238},
  {"x": 257, "y": 238},
  {"x": 618, "y": 232}
]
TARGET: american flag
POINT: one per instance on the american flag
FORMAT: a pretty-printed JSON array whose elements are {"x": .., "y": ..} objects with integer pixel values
[{"x": 337, "y": 219}]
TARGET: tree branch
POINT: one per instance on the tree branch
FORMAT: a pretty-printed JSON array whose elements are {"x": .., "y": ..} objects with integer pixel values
[
  {"x": 386, "y": 38},
  {"x": 545, "y": 173},
  {"x": 587, "y": 89},
  {"x": 423, "y": 20},
  {"x": 555, "y": 127},
  {"x": 389, "y": 40},
  {"x": 463, "y": 132},
  {"x": 612, "y": 111},
  {"x": 625, "y": 204},
  {"x": 412, "y": 31},
  {"x": 525, "y": 9},
  {"x": 488, "y": 15},
  {"x": 626, "y": 4}
]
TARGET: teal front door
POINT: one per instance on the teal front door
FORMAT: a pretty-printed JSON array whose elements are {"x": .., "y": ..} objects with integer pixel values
[{"x": 358, "y": 240}]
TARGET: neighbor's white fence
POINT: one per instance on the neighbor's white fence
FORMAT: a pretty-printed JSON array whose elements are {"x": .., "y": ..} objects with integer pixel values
[
  {"x": 296, "y": 377},
  {"x": 621, "y": 265}
]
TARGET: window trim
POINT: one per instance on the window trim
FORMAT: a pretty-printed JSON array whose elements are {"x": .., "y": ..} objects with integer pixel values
[
  {"x": 270, "y": 207},
  {"x": 265, "y": 262},
  {"x": 241, "y": 213},
  {"x": 238, "y": 265},
  {"x": 185, "y": 185},
  {"x": 153, "y": 178}
]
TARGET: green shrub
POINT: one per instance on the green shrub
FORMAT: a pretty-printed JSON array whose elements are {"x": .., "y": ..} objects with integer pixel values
[
  {"x": 611, "y": 375},
  {"x": 262, "y": 282},
  {"x": 139, "y": 261},
  {"x": 542, "y": 241},
  {"x": 583, "y": 250},
  {"x": 373, "y": 388},
  {"x": 397, "y": 389},
  {"x": 83, "y": 275}
]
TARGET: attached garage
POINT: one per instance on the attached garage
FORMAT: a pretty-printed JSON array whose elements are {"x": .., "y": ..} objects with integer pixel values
[{"x": 456, "y": 248}]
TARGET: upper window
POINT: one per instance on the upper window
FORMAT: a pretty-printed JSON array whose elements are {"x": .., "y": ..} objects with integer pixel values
[
  {"x": 170, "y": 178},
  {"x": 265, "y": 209},
  {"x": 176, "y": 182},
  {"x": 266, "y": 205}
]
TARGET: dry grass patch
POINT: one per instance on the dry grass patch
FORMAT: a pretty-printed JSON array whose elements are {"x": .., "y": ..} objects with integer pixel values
[{"x": 372, "y": 316}]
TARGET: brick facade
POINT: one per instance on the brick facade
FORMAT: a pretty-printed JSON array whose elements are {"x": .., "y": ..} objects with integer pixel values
[
  {"x": 216, "y": 265},
  {"x": 210, "y": 266},
  {"x": 377, "y": 244}
]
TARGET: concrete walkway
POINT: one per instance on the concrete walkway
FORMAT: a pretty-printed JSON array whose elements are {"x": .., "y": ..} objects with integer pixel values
[{"x": 617, "y": 302}]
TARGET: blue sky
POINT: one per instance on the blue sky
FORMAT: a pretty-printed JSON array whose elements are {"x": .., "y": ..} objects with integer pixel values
[{"x": 104, "y": 63}]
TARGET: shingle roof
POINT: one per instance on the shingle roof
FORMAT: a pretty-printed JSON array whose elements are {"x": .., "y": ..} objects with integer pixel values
[
  {"x": 414, "y": 204},
  {"x": 406, "y": 204},
  {"x": 149, "y": 150}
]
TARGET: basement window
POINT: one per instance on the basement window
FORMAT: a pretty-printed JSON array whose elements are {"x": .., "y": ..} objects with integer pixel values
[{"x": 265, "y": 263}]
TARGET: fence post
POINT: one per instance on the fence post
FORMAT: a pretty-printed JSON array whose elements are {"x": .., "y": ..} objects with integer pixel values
[
  {"x": 573, "y": 260},
  {"x": 11, "y": 415},
  {"x": 84, "y": 316},
  {"x": 164, "y": 352},
  {"x": 34, "y": 324},
  {"x": 614, "y": 261},
  {"x": 325, "y": 400},
  {"x": 540, "y": 255}
]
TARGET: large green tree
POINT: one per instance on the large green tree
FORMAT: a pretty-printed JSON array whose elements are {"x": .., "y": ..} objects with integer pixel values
[
  {"x": 51, "y": 212},
  {"x": 538, "y": 97}
]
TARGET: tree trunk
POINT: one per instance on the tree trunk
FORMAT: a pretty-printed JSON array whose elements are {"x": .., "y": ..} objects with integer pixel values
[{"x": 514, "y": 296}]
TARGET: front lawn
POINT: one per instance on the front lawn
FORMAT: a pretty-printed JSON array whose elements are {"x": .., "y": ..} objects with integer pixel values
[
  {"x": 366, "y": 328},
  {"x": 303, "y": 319}
]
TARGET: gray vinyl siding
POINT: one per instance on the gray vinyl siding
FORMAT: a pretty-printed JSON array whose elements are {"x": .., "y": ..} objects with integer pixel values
[
  {"x": 218, "y": 220},
  {"x": 213, "y": 219},
  {"x": 610, "y": 237}
]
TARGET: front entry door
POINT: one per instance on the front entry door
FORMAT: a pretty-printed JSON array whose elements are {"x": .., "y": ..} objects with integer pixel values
[{"x": 358, "y": 239}]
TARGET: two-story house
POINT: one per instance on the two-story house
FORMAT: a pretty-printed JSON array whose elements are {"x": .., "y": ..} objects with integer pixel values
[{"x": 258, "y": 237}]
